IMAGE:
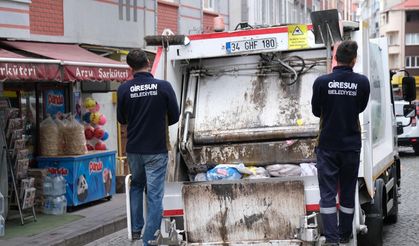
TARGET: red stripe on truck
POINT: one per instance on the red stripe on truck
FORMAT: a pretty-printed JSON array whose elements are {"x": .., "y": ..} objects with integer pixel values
[
  {"x": 156, "y": 60},
  {"x": 173, "y": 212},
  {"x": 312, "y": 207},
  {"x": 251, "y": 32}
]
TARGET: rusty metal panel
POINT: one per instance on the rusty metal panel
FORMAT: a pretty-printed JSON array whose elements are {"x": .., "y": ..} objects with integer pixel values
[
  {"x": 242, "y": 105},
  {"x": 265, "y": 153},
  {"x": 242, "y": 210}
]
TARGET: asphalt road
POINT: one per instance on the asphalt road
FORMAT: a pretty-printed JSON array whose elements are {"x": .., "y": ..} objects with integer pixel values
[{"x": 406, "y": 231}]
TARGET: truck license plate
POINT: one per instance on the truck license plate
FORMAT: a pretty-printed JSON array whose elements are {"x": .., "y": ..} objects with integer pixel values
[{"x": 251, "y": 45}]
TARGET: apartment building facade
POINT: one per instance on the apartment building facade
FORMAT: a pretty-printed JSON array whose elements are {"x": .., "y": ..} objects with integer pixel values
[
  {"x": 116, "y": 23},
  {"x": 400, "y": 24}
]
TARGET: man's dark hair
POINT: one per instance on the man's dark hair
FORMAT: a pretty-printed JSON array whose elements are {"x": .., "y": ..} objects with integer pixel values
[
  {"x": 137, "y": 59},
  {"x": 346, "y": 52}
]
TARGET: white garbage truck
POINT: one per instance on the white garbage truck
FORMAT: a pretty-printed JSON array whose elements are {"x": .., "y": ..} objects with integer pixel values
[{"x": 245, "y": 98}]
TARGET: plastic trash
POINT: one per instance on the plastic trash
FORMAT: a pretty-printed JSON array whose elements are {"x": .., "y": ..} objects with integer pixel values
[
  {"x": 223, "y": 172},
  {"x": 257, "y": 173},
  {"x": 308, "y": 169},
  {"x": 201, "y": 177},
  {"x": 282, "y": 170}
]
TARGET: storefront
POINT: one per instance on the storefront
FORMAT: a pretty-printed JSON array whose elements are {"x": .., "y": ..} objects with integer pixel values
[{"x": 46, "y": 79}]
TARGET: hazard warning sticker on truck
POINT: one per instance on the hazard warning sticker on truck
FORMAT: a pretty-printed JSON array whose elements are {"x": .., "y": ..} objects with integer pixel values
[{"x": 297, "y": 37}]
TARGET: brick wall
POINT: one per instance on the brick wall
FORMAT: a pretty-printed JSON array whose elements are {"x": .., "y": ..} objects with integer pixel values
[
  {"x": 46, "y": 17},
  {"x": 209, "y": 21},
  {"x": 167, "y": 17}
]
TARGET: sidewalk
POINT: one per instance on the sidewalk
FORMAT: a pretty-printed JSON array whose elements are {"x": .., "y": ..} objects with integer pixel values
[
  {"x": 118, "y": 238},
  {"x": 99, "y": 220}
]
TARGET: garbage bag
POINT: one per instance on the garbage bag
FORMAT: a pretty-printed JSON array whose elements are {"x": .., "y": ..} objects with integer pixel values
[
  {"x": 223, "y": 172},
  {"x": 257, "y": 173},
  {"x": 308, "y": 169},
  {"x": 281, "y": 170}
]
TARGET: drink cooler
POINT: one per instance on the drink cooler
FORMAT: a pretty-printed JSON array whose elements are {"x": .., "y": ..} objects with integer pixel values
[{"x": 89, "y": 177}]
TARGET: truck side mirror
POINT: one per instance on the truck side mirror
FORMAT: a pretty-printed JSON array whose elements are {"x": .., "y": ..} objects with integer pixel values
[
  {"x": 409, "y": 110},
  {"x": 409, "y": 88}
]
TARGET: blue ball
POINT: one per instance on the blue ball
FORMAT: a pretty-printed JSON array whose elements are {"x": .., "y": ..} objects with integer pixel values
[
  {"x": 105, "y": 136},
  {"x": 86, "y": 117}
]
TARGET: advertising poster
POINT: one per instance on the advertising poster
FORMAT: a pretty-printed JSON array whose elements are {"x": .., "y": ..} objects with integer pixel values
[
  {"x": 77, "y": 105},
  {"x": 88, "y": 177},
  {"x": 54, "y": 102}
]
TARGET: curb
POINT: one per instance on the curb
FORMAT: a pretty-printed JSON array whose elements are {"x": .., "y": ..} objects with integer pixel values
[{"x": 93, "y": 234}]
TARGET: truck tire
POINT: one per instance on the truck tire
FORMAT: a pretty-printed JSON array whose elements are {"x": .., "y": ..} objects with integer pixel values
[
  {"x": 374, "y": 218},
  {"x": 416, "y": 149},
  {"x": 392, "y": 216}
]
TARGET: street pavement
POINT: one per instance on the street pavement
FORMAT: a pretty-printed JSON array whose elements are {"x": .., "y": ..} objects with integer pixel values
[{"x": 404, "y": 233}]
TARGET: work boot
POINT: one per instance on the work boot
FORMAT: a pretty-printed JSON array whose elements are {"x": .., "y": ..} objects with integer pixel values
[
  {"x": 345, "y": 239},
  {"x": 136, "y": 235}
]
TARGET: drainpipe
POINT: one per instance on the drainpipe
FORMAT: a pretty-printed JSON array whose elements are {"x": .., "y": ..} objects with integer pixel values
[{"x": 155, "y": 17}]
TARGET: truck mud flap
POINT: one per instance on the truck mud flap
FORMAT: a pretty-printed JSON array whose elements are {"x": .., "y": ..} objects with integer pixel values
[{"x": 241, "y": 211}]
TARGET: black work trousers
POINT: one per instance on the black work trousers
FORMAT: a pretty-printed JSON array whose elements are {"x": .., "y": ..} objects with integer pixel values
[{"x": 337, "y": 171}]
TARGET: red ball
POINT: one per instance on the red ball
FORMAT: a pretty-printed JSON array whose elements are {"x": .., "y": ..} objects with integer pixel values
[
  {"x": 89, "y": 133},
  {"x": 100, "y": 146},
  {"x": 99, "y": 133},
  {"x": 90, "y": 147}
]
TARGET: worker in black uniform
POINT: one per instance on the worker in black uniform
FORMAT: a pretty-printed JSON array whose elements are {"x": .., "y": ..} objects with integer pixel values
[{"x": 338, "y": 99}]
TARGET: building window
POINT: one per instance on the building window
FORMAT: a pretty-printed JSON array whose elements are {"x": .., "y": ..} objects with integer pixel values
[
  {"x": 412, "y": 16},
  {"x": 384, "y": 18},
  {"x": 412, "y": 61},
  {"x": 209, "y": 4},
  {"x": 392, "y": 38},
  {"x": 412, "y": 38}
]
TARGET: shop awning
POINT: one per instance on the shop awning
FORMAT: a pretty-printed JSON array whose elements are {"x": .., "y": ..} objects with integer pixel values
[
  {"x": 16, "y": 67},
  {"x": 76, "y": 63}
]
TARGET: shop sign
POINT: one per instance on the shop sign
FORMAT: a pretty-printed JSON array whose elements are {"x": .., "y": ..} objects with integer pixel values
[
  {"x": 95, "y": 167},
  {"x": 60, "y": 171},
  {"x": 85, "y": 73},
  {"x": 54, "y": 102},
  {"x": 29, "y": 71}
]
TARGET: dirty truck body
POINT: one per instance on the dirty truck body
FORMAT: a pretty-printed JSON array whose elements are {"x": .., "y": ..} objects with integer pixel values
[{"x": 245, "y": 97}]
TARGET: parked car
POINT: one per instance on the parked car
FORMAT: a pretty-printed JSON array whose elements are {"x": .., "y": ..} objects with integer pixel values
[{"x": 410, "y": 135}]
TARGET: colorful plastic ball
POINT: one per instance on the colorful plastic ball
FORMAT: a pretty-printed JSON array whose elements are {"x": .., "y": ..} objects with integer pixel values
[
  {"x": 99, "y": 133},
  {"x": 94, "y": 109},
  {"x": 89, "y": 103},
  {"x": 94, "y": 117},
  {"x": 105, "y": 136},
  {"x": 89, "y": 133},
  {"x": 100, "y": 146},
  {"x": 102, "y": 120},
  {"x": 86, "y": 117},
  {"x": 90, "y": 147}
]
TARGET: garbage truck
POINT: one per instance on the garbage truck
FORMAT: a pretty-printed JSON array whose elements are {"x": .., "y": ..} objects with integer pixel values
[{"x": 245, "y": 99}]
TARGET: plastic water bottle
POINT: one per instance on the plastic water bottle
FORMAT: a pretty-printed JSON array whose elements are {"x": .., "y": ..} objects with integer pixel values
[
  {"x": 63, "y": 185},
  {"x": 63, "y": 205},
  {"x": 1, "y": 203},
  {"x": 47, "y": 205},
  {"x": 2, "y": 226},
  {"x": 47, "y": 186}
]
